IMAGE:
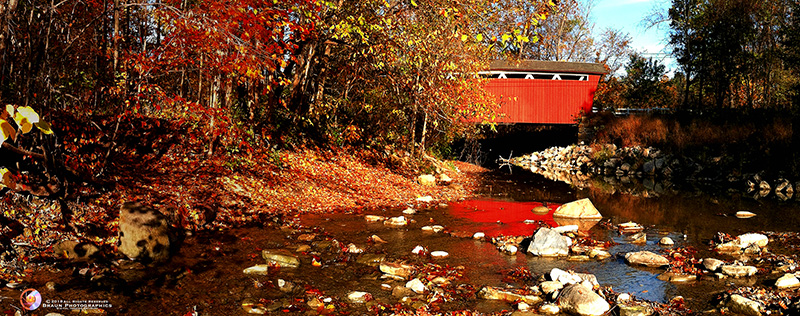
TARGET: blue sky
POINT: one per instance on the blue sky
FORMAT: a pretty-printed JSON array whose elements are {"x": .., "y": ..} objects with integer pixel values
[{"x": 627, "y": 15}]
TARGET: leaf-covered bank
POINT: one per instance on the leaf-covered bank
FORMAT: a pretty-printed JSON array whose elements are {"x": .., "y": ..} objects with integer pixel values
[{"x": 166, "y": 165}]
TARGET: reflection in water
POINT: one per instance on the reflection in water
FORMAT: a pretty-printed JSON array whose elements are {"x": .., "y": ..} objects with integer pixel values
[{"x": 496, "y": 217}]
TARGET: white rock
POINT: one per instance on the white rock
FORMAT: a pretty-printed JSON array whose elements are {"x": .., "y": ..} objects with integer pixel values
[
  {"x": 712, "y": 264},
  {"x": 352, "y": 248},
  {"x": 745, "y": 214},
  {"x": 374, "y": 218},
  {"x": 549, "y": 287},
  {"x": 439, "y": 254},
  {"x": 396, "y": 221},
  {"x": 564, "y": 277},
  {"x": 787, "y": 281},
  {"x": 523, "y": 306},
  {"x": 646, "y": 258},
  {"x": 437, "y": 228},
  {"x": 578, "y": 209},
  {"x": 359, "y": 297},
  {"x": 426, "y": 180},
  {"x": 747, "y": 239},
  {"x": 623, "y": 297},
  {"x": 566, "y": 229},
  {"x": 666, "y": 241},
  {"x": 416, "y": 285},
  {"x": 260, "y": 269},
  {"x": 425, "y": 199},
  {"x": 511, "y": 249},
  {"x": 479, "y": 235},
  {"x": 418, "y": 250},
  {"x": 739, "y": 271},
  {"x": 409, "y": 211},
  {"x": 549, "y": 309}
]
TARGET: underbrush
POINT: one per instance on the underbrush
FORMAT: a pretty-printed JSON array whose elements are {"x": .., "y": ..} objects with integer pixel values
[{"x": 750, "y": 140}]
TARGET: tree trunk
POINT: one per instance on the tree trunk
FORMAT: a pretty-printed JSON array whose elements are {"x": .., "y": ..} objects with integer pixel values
[{"x": 116, "y": 33}]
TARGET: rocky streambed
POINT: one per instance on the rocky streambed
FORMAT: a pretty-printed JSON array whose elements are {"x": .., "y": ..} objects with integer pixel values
[{"x": 483, "y": 256}]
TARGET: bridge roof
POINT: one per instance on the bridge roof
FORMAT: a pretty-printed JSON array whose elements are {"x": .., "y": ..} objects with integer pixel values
[{"x": 548, "y": 66}]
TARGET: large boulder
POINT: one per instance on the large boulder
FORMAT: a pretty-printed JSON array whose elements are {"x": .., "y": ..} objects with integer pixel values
[
  {"x": 580, "y": 300},
  {"x": 549, "y": 243},
  {"x": 145, "y": 234},
  {"x": 578, "y": 209},
  {"x": 646, "y": 258}
]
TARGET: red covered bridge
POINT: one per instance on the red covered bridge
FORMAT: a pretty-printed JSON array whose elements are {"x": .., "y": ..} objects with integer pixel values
[{"x": 543, "y": 92}]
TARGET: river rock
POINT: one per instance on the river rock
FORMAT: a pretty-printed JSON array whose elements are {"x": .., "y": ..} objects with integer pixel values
[
  {"x": 649, "y": 167},
  {"x": 646, "y": 258},
  {"x": 144, "y": 233},
  {"x": 445, "y": 179},
  {"x": 578, "y": 209},
  {"x": 548, "y": 287},
  {"x": 425, "y": 199},
  {"x": 666, "y": 241},
  {"x": 371, "y": 259},
  {"x": 549, "y": 309},
  {"x": 259, "y": 269},
  {"x": 677, "y": 277},
  {"x": 746, "y": 240},
  {"x": 416, "y": 285},
  {"x": 541, "y": 209},
  {"x": 741, "y": 305},
  {"x": 358, "y": 297},
  {"x": 74, "y": 250},
  {"x": 638, "y": 238},
  {"x": 787, "y": 281},
  {"x": 439, "y": 254},
  {"x": 280, "y": 257},
  {"x": 426, "y": 180},
  {"x": 599, "y": 254},
  {"x": 580, "y": 300},
  {"x": 739, "y": 271},
  {"x": 493, "y": 293},
  {"x": 398, "y": 269},
  {"x": 712, "y": 264},
  {"x": 565, "y": 229},
  {"x": 745, "y": 214},
  {"x": 374, "y": 218},
  {"x": 548, "y": 243},
  {"x": 396, "y": 221},
  {"x": 632, "y": 308},
  {"x": 564, "y": 277}
]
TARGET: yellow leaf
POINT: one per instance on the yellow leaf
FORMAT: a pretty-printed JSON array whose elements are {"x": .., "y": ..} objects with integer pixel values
[
  {"x": 464, "y": 38},
  {"x": 28, "y": 113},
  {"x": 6, "y": 131},
  {"x": 10, "y": 109},
  {"x": 7, "y": 181},
  {"x": 479, "y": 37},
  {"x": 44, "y": 127},
  {"x": 413, "y": 3}
]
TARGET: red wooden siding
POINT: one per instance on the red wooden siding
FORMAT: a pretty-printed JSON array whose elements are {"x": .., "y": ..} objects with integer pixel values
[{"x": 543, "y": 101}]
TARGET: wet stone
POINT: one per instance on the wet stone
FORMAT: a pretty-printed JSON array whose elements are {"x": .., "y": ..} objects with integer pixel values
[
  {"x": 259, "y": 269},
  {"x": 281, "y": 258},
  {"x": 493, "y": 293},
  {"x": 712, "y": 264},
  {"x": 677, "y": 277},
  {"x": 398, "y": 269},
  {"x": 739, "y": 271},
  {"x": 549, "y": 309},
  {"x": 666, "y": 241},
  {"x": 358, "y": 297},
  {"x": 582, "y": 301},
  {"x": 635, "y": 309},
  {"x": 549, "y": 287},
  {"x": 371, "y": 259},
  {"x": 745, "y": 306},
  {"x": 787, "y": 281},
  {"x": 646, "y": 258}
]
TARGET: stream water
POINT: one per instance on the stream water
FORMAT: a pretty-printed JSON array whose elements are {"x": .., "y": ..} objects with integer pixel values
[{"x": 206, "y": 276}]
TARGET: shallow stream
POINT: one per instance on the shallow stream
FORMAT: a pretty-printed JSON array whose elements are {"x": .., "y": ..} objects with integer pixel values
[{"x": 206, "y": 276}]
